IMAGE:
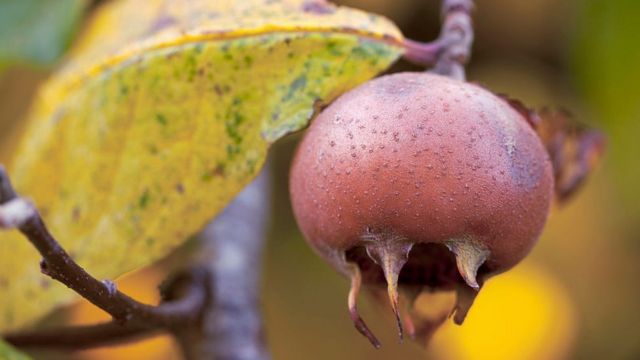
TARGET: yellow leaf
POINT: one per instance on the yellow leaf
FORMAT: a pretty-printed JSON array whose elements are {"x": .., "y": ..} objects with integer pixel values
[{"x": 162, "y": 113}]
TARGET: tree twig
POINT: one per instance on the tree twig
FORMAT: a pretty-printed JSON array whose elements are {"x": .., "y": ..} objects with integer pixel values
[
  {"x": 182, "y": 295},
  {"x": 451, "y": 50},
  {"x": 56, "y": 263},
  {"x": 216, "y": 316},
  {"x": 80, "y": 337}
]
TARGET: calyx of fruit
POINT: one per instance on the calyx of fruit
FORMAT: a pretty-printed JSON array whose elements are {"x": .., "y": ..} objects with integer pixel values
[{"x": 416, "y": 182}]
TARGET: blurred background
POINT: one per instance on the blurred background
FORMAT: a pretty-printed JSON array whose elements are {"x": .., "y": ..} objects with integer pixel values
[{"x": 575, "y": 297}]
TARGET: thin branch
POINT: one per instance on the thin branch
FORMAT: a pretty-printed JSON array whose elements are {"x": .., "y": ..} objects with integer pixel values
[
  {"x": 81, "y": 337},
  {"x": 216, "y": 316},
  {"x": 189, "y": 300},
  {"x": 56, "y": 263},
  {"x": 451, "y": 50}
]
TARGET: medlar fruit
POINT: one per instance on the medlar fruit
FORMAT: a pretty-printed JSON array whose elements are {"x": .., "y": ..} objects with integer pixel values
[{"x": 421, "y": 182}]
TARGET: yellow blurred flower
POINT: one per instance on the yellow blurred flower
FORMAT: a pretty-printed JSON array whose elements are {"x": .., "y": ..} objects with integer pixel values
[{"x": 523, "y": 314}]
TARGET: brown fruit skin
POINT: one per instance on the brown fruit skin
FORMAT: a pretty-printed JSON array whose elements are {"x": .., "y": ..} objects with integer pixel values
[{"x": 423, "y": 157}]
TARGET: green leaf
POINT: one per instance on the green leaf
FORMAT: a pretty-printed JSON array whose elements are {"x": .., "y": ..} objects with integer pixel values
[
  {"x": 36, "y": 31},
  {"x": 163, "y": 113},
  {"x": 606, "y": 62}
]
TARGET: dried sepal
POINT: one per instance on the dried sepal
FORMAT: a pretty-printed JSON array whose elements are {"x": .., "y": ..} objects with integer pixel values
[
  {"x": 354, "y": 291},
  {"x": 425, "y": 323},
  {"x": 470, "y": 255},
  {"x": 465, "y": 297},
  {"x": 529, "y": 114},
  {"x": 574, "y": 149},
  {"x": 391, "y": 253}
]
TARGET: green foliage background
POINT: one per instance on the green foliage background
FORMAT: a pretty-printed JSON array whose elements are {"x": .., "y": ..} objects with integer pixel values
[
  {"x": 36, "y": 31},
  {"x": 606, "y": 62}
]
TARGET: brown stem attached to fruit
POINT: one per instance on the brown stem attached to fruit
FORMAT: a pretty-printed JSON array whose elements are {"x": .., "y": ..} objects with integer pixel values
[{"x": 451, "y": 50}]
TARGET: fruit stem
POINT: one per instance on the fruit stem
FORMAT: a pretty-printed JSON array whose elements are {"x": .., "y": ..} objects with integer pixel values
[{"x": 451, "y": 50}]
